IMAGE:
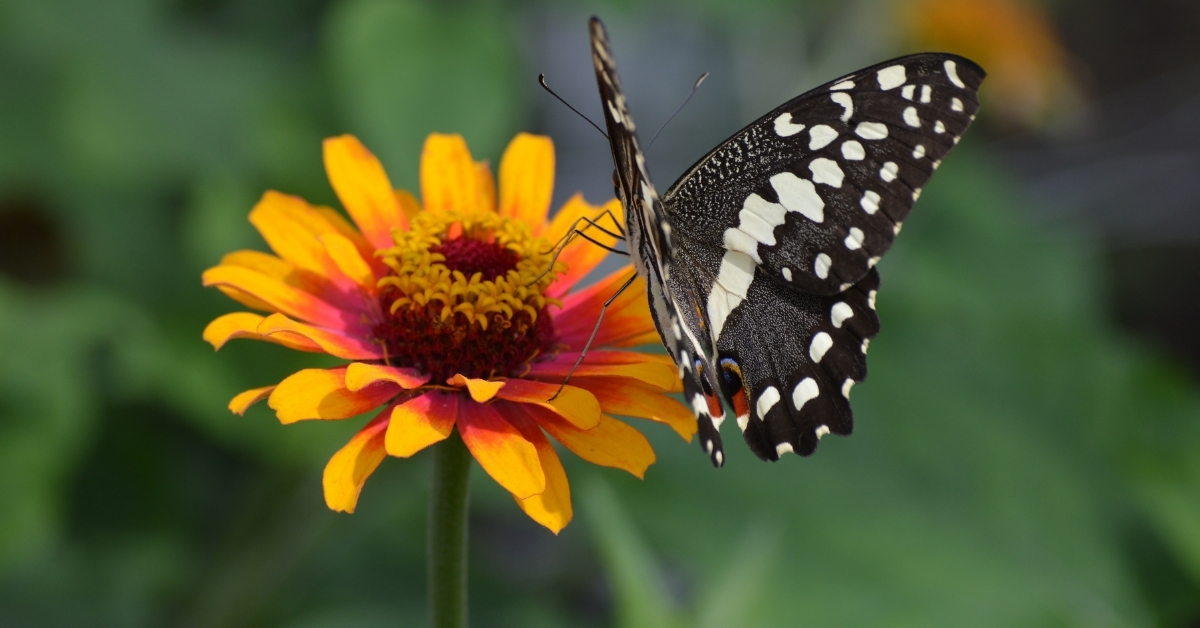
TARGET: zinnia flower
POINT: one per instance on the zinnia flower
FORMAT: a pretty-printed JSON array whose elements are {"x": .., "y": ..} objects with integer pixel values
[{"x": 454, "y": 315}]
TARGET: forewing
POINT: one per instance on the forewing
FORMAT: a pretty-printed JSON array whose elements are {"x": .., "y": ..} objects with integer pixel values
[{"x": 815, "y": 191}]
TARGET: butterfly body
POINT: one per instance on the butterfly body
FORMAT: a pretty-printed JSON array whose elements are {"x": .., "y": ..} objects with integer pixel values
[{"x": 760, "y": 260}]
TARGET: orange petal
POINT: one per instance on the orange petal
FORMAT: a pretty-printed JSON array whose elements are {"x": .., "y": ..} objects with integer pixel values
[
  {"x": 481, "y": 389},
  {"x": 245, "y": 325},
  {"x": 244, "y": 400},
  {"x": 359, "y": 375},
  {"x": 552, "y": 508},
  {"x": 633, "y": 398},
  {"x": 408, "y": 203},
  {"x": 501, "y": 450},
  {"x": 363, "y": 187},
  {"x": 322, "y": 394},
  {"x": 655, "y": 372},
  {"x": 527, "y": 179},
  {"x": 245, "y": 299},
  {"x": 582, "y": 256},
  {"x": 449, "y": 179},
  {"x": 350, "y": 467},
  {"x": 487, "y": 186},
  {"x": 609, "y": 444},
  {"x": 627, "y": 322},
  {"x": 334, "y": 343},
  {"x": 264, "y": 263},
  {"x": 576, "y": 405},
  {"x": 349, "y": 261},
  {"x": 291, "y": 227},
  {"x": 278, "y": 296},
  {"x": 421, "y": 422}
]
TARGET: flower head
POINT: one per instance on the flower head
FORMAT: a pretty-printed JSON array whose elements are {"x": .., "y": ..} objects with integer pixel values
[{"x": 451, "y": 315}]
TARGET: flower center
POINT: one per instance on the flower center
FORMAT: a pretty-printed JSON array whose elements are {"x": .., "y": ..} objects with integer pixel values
[{"x": 465, "y": 295}]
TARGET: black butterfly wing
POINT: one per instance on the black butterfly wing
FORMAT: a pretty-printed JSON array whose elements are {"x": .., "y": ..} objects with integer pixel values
[
  {"x": 815, "y": 191},
  {"x": 677, "y": 316},
  {"x": 781, "y": 226}
]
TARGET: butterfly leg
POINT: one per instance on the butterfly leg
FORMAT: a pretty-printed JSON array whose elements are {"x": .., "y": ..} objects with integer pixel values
[{"x": 595, "y": 330}]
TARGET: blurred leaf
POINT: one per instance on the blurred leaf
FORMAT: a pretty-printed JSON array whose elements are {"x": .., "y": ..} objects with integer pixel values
[
  {"x": 641, "y": 600},
  {"x": 405, "y": 69}
]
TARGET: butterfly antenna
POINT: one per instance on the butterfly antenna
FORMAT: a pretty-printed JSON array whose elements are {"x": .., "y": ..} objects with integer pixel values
[
  {"x": 542, "y": 80},
  {"x": 685, "y": 102}
]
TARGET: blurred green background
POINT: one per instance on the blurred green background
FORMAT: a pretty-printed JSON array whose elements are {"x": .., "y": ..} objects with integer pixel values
[{"x": 1027, "y": 448}]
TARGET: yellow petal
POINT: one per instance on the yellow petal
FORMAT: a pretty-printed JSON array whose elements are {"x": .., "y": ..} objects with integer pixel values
[
  {"x": 244, "y": 400},
  {"x": 364, "y": 190},
  {"x": 449, "y": 179},
  {"x": 245, "y": 325},
  {"x": 633, "y": 398},
  {"x": 277, "y": 295},
  {"x": 322, "y": 394},
  {"x": 581, "y": 256},
  {"x": 653, "y": 371},
  {"x": 551, "y": 508},
  {"x": 609, "y": 444},
  {"x": 347, "y": 346},
  {"x": 527, "y": 179},
  {"x": 481, "y": 389},
  {"x": 350, "y": 467},
  {"x": 501, "y": 450},
  {"x": 408, "y": 203},
  {"x": 487, "y": 187},
  {"x": 421, "y": 422},
  {"x": 291, "y": 227},
  {"x": 359, "y": 375},
  {"x": 576, "y": 405},
  {"x": 349, "y": 261}
]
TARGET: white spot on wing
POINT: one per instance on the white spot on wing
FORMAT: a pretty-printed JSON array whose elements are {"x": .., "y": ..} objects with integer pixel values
[
  {"x": 757, "y": 222},
  {"x": 907, "y": 91},
  {"x": 799, "y": 195},
  {"x": 846, "y": 102},
  {"x": 854, "y": 241},
  {"x": 738, "y": 240},
  {"x": 804, "y": 391},
  {"x": 870, "y": 202},
  {"x": 919, "y": 151},
  {"x": 699, "y": 407},
  {"x": 871, "y": 299},
  {"x": 846, "y": 386},
  {"x": 783, "y": 448},
  {"x": 853, "y": 151},
  {"x": 888, "y": 171},
  {"x": 787, "y": 273},
  {"x": 826, "y": 171},
  {"x": 910, "y": 117},
  {"x": 926, "y": 93},
  {"x": 866, "y": 342},
  {"x": 952, "y": 73},
  {"x": 891, "y": 77},
  {"x": 842, "y": 85},
  {"x": 821, "y": 136},
  {"x": 784, "y": 126},
  {"x": 720, "y": 458},
  {"x": 821, "y": 431},
  {"x": 766, "y": 401},
  {"x": 743, "y": 421},
  {"x": 839, "y": 313},
  {"x": 938, "y": 127},
  {"x": 873, "y": 261},
  {"x": 729, "y": 290},
  {"x": 956, "y": 104},
  {"x": 871, "y": 130},
  {"x": 819, "y": 345},
  {"x": 821, "y": 265}
]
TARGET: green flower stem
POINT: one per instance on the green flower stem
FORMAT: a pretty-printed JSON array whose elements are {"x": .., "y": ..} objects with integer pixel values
[{"x": 448, "y": 534}]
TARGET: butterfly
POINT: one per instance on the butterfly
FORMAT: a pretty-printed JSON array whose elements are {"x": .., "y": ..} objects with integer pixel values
[{"x": 760, "y": 260}]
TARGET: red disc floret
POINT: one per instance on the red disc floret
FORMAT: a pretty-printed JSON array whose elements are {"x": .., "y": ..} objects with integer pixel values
[{"x": 470, "y": 256}]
